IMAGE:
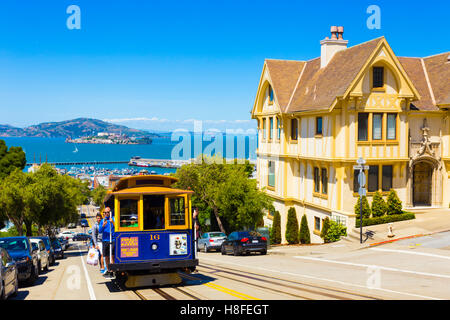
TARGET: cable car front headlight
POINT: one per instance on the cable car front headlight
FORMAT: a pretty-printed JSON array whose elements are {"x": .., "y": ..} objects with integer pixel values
[{"x": 154, "y": 246}]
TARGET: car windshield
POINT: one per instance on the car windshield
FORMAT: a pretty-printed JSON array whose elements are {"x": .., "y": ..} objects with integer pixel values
[
  {"x": 217, "y": 234},
  {"x": 245, "y": 234},
  {"x": 14, "y": 244}
]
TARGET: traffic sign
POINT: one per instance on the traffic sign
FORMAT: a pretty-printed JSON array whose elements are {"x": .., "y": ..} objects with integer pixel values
[
  {"x": 360, "y": 167},
  {"x": 362, "y": 179}
]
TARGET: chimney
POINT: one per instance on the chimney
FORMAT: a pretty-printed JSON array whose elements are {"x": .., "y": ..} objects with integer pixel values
[{"x": 330, "y": 46}]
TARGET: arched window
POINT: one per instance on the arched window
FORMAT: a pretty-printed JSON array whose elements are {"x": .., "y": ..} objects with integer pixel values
[{"x": 270, "y": 93}]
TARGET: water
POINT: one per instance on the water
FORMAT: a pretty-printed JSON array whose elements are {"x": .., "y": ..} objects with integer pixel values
[{"x": 57, "y": 150}]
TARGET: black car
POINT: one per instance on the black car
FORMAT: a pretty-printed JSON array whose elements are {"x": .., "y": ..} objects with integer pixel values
[
  {"x": 49, "y": 248},
  {"x": 57, "y": 248},
  {"x": 27, "y": 260},
  {"x": 81, "y": 237},
  {"x": 244, "y": 242}
]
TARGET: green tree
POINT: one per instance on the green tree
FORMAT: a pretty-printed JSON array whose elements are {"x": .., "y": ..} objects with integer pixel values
[
  {"x": 325, "y": 227},
  {"x": 394, "y": 204},
  {"x": 225, "y": 190},
  {"x": 12, "y": 203},
  {"x": 98, "y": 194},
  {"x": 304, "y": 236},
  {"x": 378, "y": 205},
  {"x": 366, "y": 207},
  {"x": 292, "y": 227},
  {"x": 11, "y": 159},
  {"x": 275, "y": 237}
]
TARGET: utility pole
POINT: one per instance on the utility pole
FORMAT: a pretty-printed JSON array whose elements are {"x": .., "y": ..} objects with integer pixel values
[{"x": 362, "y": 190}]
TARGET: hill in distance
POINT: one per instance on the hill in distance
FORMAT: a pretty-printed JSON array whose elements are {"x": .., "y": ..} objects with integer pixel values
[{"x": 75, "y": 128}]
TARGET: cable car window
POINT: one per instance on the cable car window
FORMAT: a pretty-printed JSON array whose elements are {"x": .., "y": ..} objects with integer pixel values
[
  {"x": 177, "y": 211},
  {"x": 128, "y": 213},
  {"x": 153, "y": 212},
  {"x": 151, "y": 182}
]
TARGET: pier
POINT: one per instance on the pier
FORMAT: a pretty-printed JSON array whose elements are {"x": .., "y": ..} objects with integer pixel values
[{"x": 77, "y": 163}]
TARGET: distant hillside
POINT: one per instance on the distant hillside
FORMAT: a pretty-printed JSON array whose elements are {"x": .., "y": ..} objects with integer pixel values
[{"x": 75, "y": 128}]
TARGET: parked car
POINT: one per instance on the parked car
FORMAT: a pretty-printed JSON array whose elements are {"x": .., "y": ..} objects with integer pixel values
[
  {"x": 57, "y": 248},
  {"x": 84, "y": 223},
  {"x": 67, "y": 234},
  {"x": 244, "y": 242},
  {"x": 211, "y": 241},
  {"x": 81, "y": 237},
  {"x": 48, "y": 246},
  {"x": 9, "y": 282},
  {"x": 27, "y": 260},
  {"x": 64, "y": 242},
  {"x": 44, "y": 261},
  {"x": 72, "y": 225}
]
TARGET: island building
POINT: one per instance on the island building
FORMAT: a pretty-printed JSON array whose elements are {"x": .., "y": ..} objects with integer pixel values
[{"x": 316, "y": 118}]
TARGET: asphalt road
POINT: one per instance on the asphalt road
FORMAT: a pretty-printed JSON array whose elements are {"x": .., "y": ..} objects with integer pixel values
[{"x": 409, "y": 269}]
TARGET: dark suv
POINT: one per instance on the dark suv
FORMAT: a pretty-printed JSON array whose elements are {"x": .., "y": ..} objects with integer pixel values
[{"x": 27, "y": 260}]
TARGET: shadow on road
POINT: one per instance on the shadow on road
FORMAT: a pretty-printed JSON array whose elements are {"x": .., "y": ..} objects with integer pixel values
[{"x": 21, "y": 295}]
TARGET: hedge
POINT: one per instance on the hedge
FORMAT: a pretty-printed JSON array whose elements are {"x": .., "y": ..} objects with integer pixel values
[{"x": 386, "y": 219}]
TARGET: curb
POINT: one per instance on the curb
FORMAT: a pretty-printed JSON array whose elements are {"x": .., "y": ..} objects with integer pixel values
[{"x": 403, "y": 238}]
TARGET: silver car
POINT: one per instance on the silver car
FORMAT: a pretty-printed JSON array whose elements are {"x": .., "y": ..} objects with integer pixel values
[
  {"x": 9, "y": 283},
  {"x": 43, "y": 255},
  {"x": 211, "y": 240}
]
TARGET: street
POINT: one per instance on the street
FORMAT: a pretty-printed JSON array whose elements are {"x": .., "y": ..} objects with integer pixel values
[{"x": 407, "y": 269}]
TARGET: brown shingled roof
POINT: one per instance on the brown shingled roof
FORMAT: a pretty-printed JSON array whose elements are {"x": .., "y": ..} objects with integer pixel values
[
  {"x": 303, "y": 85},
  {"x": 284, "y": 75},
  {"x": 438, "y": 70},
  {"x": 319, "y": 88},
  {"x": 415, "y": 71}
]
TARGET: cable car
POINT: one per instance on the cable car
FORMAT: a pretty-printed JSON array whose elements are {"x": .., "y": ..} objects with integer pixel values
[{"x": 154, "y": 234}]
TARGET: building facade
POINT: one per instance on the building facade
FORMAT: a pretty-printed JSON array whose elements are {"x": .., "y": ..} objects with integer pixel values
[{"x": 316, "y": 118}]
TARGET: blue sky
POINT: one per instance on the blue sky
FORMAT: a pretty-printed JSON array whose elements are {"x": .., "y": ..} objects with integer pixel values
[{"x": 164, "y": 63}]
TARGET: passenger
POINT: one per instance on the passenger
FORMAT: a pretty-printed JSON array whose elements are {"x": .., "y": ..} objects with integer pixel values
[
  {"x": 196, "y": 223},
  {"x": 106, "y": 227},
  {"x": 97, "y": 240}
]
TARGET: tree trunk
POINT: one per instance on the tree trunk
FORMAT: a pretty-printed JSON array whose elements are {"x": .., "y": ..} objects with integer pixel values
[
  {"x": 29, "y": 226},
  {"x": 219, "y": 222}
]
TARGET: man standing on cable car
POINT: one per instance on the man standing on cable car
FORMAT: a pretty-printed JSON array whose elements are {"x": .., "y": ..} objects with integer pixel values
[{"x": 106, "y": 228}]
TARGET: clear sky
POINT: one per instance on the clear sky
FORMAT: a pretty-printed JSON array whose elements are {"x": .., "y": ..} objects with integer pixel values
[{"x": 165, "y": 62}]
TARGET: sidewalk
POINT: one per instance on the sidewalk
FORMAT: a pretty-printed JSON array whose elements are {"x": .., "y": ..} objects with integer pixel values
[{"x": 428, "y": 221}]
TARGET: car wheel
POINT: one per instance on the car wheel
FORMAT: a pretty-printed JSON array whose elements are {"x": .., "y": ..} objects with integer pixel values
[
  {"x": 263, "y": 252},
  {"x": 39, "y": 268},
  {"x": 222, "y": 250},
  {"x": 205, "y": 249},
  {"x": 46, "y": 266},
  {"x": 33, "y": 277},
  {"x": 235, "y": 251}
]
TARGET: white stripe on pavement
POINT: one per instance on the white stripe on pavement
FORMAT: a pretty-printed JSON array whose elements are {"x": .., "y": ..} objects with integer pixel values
[
  {"x": 379, "y": 267},
  {"x": 411, "y": 252},
  {"x": 88, "y": 280}
]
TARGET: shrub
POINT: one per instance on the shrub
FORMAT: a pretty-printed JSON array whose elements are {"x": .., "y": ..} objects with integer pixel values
[
  {"x": 365, "y": 208},
  {"x": 386, "y": 219},
  {"x": 379, "y": 206},
  {"x": 325, "y": 227},
  {"x": 394, "y": 205},
  {"x": 276, "y": 229},
  {"x": 292, "y": 227},
  {"x": 304, "y": 236},
  {"x": 335, "y": 231}
]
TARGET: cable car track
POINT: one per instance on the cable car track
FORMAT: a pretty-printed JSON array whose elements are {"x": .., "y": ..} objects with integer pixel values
[{"x": 330, "y": 293}]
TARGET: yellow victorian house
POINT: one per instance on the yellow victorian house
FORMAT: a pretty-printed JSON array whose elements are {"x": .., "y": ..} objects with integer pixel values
[{"x": 317, "y": 117}]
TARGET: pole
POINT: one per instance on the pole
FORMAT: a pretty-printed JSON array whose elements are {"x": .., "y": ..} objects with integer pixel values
[{"x": 360, "y": 218}]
